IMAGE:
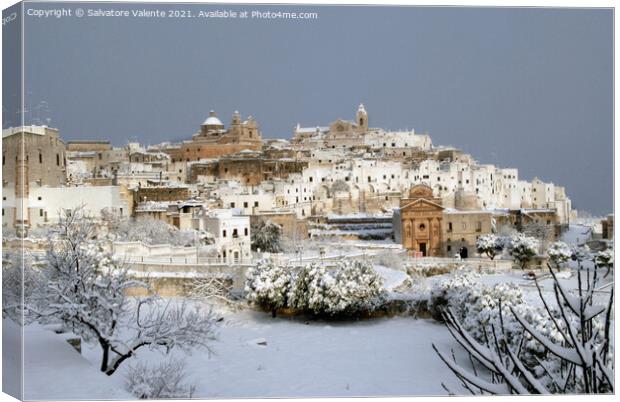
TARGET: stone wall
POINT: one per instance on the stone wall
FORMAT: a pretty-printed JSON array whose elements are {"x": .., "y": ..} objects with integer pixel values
[{"x": 161, "y": 194}]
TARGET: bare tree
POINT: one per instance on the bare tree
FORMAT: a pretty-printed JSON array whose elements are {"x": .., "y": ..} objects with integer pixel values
[
  {"x": 21, "y": 282},
  {"x": 86, "y": 290},
  {"x": 214, "y": 290}
]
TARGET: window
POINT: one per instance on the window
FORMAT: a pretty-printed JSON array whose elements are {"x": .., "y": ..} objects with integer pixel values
[
  {"x": 40, "y": 212},
  {"x": 232, "y": 204},
  {"x": 224, "y": 235},
  {"x": 449, "y": 226},
  {"x": 57, "y": 160},
  {"x": 422, "y": 226},
  {"x": 310, "y": 180},
  {"x": 3, "y": 159},
  {"x": 245, "y": 231},
  {"x": 235, "y": 234},
  {"x": 449, "y": 248},
  {"x": 245, "y": 204},
  {"x": 40, "y": 157},
  {"x": 256, "y": 203},
  {"x": 478, "y": 226}
]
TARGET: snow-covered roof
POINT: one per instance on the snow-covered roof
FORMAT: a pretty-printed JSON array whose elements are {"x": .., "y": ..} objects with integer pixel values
[{"x": 39, "y": 130}]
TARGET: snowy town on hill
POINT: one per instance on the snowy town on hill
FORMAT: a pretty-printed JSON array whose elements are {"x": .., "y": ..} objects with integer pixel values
[{"x": 344, "y": 261}]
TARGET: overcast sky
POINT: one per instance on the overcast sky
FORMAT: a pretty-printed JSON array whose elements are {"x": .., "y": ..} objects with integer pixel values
[{"x": 524, "y": 88}]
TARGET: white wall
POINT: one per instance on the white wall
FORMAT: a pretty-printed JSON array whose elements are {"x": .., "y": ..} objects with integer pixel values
[{"x": 50, "y": 201}]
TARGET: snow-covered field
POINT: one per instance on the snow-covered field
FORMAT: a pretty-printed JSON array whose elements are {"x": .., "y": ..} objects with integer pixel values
[{"x": 380, "y": 357}]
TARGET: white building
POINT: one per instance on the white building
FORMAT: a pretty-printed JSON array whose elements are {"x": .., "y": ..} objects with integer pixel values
[
  {"x": 46, "y": 204},
  {"x": 231, "y": 231}
]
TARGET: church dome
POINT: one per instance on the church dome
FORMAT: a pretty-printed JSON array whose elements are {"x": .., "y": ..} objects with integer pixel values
[{"x": 212, "y": 120}]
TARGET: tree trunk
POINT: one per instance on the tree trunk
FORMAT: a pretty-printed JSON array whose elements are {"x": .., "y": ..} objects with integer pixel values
[
  {"x": 273, "y": 312},
  {"x": 104, "y": 359}
]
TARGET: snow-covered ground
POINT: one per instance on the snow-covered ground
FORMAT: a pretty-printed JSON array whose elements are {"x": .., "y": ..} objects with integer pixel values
[
  {"x": 52, "y": 368},
  {"x": 379, "y": 357}
]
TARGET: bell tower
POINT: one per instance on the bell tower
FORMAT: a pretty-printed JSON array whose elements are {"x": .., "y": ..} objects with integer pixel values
[{"x": 361, "y": 119}]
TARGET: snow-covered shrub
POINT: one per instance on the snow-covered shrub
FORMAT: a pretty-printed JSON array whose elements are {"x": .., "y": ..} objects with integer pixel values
[
  {"x": 268, "y": 284},
  {"x": 523, "y": 248},
  {"x": 490, "y": 245},
  {"x": 299, "y": 295},
  {"x": 605, "y": 259},
  {"x": 559, "y": 253},
  {"x": 164, "y": 381},
  {"x": 454, "y": 292},
  {"x": 350, "y": 287},
  {"x": 561, "y": 347},
  {"x": 476, "y": 306},
  {"x": 266, "y": 236}
]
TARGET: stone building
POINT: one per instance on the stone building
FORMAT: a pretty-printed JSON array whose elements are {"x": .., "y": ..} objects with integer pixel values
[
  {"x": 43, "y": 152},
  {"x": 418, "y": 222},
  {"x": 160, "y": 193},
  {"x": 88, "y": 146},
  {"x": 461, "y": 229},
  {"x": 292, "y": 228},
  {"x": 247, "y": 167},
  {"x": 213, "y": 140},
  {"x": 346, "y": 133},
  {"x": 32, "y": 157},
  {"x": 424, "y": 226}
]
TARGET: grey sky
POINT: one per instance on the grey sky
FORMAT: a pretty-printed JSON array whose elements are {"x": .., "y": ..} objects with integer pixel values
[{"x": 524, "y": 88}]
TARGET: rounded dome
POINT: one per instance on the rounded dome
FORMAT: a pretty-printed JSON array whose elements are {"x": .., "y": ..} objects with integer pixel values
[{"x": 212, "y": 120}]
